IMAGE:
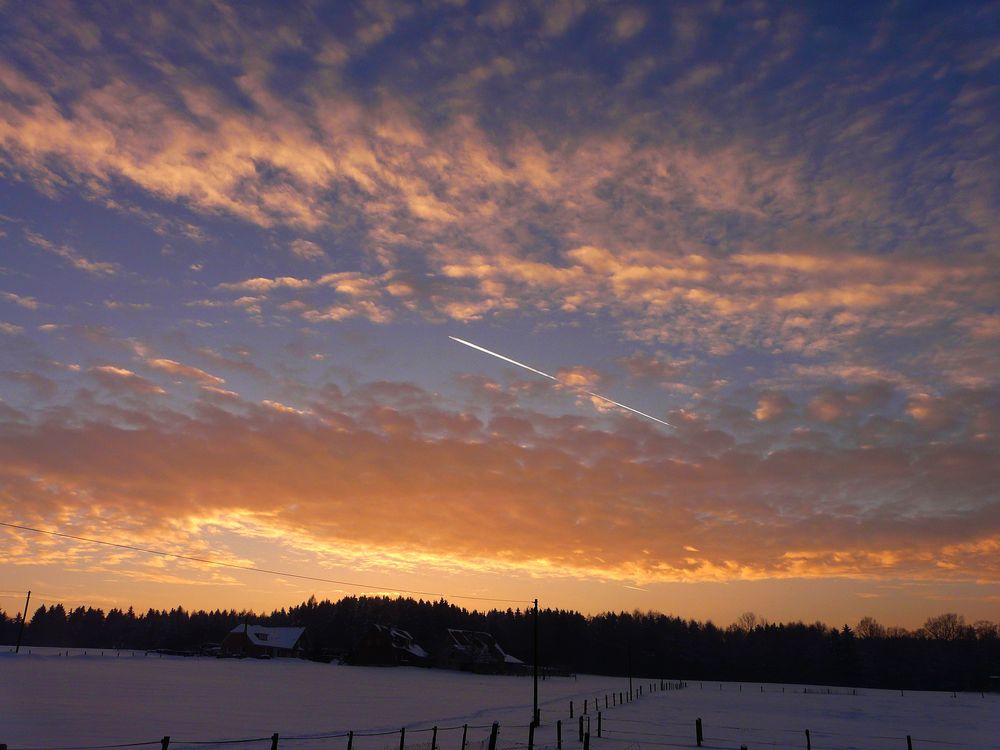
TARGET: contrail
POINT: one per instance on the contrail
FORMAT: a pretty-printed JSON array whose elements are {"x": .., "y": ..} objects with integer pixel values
[
  {"x": 552, "y": 377},
  {"x": 505, "y": 359},
  {"x": 629, "y": 408}
]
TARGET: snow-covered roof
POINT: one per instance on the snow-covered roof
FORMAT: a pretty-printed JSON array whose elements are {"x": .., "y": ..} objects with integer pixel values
[
  {"x": 478, "y": 641},
  {"x": 271, "y": 637},
  {"x": 401, "y": 639}
]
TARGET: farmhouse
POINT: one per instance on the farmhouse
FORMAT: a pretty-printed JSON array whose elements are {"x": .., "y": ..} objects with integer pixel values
[
  {"x": 475, "y": 651},
  {"x": 261, "y": 641},
  {"x": 387, "y": 646}
]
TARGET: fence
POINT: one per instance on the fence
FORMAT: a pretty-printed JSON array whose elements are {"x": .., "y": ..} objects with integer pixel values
[
  {"x": 352, "y": 738},
  {"x": 694, "y": 734},
  {"x": 587, "y": 719}
]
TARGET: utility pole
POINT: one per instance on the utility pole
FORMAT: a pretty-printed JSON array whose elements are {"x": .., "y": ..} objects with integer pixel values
[
  {"x": 534, "y": 716},
  {"x": 630, "y": 669},
  {"x": 24, "y": 617}
]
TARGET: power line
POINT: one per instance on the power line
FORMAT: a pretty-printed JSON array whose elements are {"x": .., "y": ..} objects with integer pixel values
[
  {"x": 253, "y": 568},
  {"x": 40, "y": 595}
]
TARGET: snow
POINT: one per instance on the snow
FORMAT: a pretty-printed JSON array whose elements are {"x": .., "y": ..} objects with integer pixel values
[
  {"x": 78, "y": 700},
  {"x": 282, "y": 638},
  {"x": 479, "y": 645},
  {"x": 402, "y": 639}
]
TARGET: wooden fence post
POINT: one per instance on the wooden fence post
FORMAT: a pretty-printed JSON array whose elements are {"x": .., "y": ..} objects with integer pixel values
[
  {"x": 809, "y": 744},
  {"x": 697, "y": 731},
  {"x": 605, "y": 700},
  {"x": 598, "y": 723},
  {"x": 434, "y": 739},
  {"x": 571, "y": 709},
  {"x": 581, "y": 729},
  {"x": 402, "y": 737},
  {"x": 586, "y": 741},
  {"x": 465, "y": 733},
  {"x": 493, "y": 735},
  {"x": 274, "y": 741},
  {"x": 531, "y": 737},
  {"x": 909, "y": 742},
  {"x": 558, "y": 735},
  {"x": 350, "y": 741},
  {"x": 165, "y": 742},
  {"x": 585, "y": 706}
]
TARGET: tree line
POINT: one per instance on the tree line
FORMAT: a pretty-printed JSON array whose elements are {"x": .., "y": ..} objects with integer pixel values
[{"x": 944, "y": 654}]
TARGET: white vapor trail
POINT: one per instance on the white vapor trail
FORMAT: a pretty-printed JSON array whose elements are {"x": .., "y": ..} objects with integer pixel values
[{"x": 552, "y": 377}]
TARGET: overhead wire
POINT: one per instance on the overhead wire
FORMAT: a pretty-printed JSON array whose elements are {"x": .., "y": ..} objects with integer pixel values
[{"x": 254, "y": 568}]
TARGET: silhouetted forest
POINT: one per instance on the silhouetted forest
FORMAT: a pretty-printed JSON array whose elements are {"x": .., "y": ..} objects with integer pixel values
[{"x": 945, "y": 654}]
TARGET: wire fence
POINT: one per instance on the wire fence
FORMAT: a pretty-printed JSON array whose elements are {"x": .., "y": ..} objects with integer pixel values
[
  {"x": 473, "y": 737},
  {"x": 591, "y": 719}
]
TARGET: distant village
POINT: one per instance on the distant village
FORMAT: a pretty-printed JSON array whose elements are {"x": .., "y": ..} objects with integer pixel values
[{"x": 380, "y": 646}]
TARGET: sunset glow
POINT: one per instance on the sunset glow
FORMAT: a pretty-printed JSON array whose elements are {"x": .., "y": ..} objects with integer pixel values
[{"x": 238, "y": 243}]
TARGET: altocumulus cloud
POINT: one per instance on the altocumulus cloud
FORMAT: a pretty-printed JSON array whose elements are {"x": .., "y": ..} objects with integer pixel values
[
  {"x": 780, "y": 223},
  {"x": 320, "y": 474}
]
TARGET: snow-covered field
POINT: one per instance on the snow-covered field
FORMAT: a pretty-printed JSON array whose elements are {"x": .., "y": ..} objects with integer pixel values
[{"x": 49, "y": 701}]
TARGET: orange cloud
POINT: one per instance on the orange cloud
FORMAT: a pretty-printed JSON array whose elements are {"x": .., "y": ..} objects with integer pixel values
[
  {"x": 514, "y": 224},
  {"x": 26, "y": 302},
  {"x": 67, "y": 253},
  {"x": 261, "y": 285},
  {"x": 580, "y": 377},
  {"x": 772, "y": 405},
  {"x": 307, "y": 250},
  {"x": 478, "y": 495},
  {"x": 184, "y": 372},
  {"x": 121, "y": 380}
]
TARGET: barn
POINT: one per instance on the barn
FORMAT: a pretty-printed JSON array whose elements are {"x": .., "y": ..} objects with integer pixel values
[
  {"x": 388, "y": 646},
  {"x": 262, "y": 641},
  {"x": 476, "y": 651}
]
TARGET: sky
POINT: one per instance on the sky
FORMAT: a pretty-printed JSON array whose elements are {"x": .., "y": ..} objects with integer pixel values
[{"x": 236, "y": 238}]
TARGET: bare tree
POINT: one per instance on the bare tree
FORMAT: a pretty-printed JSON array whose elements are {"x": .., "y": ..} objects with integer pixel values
[
  {"x": 747, "y": 622},
  {"x": 869, "y": 627},
  {"x": 946, "y": 627},
  {"x": 986, "y": 630}
]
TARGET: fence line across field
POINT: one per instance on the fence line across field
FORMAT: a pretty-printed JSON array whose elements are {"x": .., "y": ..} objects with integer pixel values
[{"x": 588, "y": 724}]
